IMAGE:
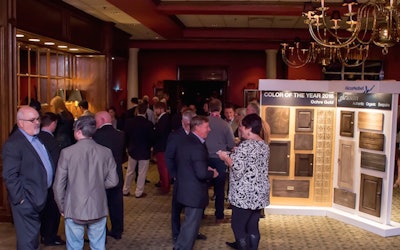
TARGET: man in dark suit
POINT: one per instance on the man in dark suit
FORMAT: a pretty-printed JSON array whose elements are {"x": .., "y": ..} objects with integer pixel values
[
  {"x": 50, "y": 216},
  {"x": 174, "y": 139},
  {"x": 28, "y": 174},
  {"x": 193, "y": 175},
  {"x": 113, "y": 139},
  {"x": 139, "y": 133},
  {"x": 162, "y": 130}
]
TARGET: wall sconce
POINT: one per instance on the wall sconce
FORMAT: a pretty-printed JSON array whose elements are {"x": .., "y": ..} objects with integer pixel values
[
  {"x": 61, "y": 93},
  {"x": 116, "y": 88},
  {"x": 75, "y": 96}
]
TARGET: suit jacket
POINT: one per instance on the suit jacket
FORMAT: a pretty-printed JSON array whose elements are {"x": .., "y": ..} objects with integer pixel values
[
  {"x": 162, "y": 130},
  {"x": 139, "y": 133},
  {"x": 174, "y": 139},
  {"x": 113, "y": 139},
  {"x": 192, "y": 173},
  {"x": 24, "y": 174},
  {"x": 85, "y": 170},
  {"x": 51, "y": 145}
]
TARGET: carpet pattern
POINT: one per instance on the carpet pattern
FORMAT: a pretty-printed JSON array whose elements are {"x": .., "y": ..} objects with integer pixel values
[{"x": 147, "y": 226}]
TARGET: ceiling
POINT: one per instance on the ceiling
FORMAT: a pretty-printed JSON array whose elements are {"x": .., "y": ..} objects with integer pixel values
[{"x": 204, "y": 23}]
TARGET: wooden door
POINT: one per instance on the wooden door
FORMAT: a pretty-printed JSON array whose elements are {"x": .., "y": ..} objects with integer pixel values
[
  {"x": 370, "y": 195},
  {"x": 347, "y": 123},
  {"x": 279, "y": 162},
  {"x": 304, "y": 164},
  {"x": 304, "y": 120},
  {"x": 346, "y": 164}
]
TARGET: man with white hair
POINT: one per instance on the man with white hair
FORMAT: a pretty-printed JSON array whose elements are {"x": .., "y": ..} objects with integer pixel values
[{"x": 28, "y": 174}]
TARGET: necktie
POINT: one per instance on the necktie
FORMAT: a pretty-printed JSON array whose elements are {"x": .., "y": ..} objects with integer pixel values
[{"x": 44, "y": 156}]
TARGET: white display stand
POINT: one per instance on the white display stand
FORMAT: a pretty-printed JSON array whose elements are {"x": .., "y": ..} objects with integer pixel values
[{"x": 381, "y": 225}]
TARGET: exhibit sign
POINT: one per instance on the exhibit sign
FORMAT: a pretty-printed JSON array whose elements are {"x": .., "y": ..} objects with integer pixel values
[
  {"x": 367, "y": 101},
  {"x": 296, "y": 98}
]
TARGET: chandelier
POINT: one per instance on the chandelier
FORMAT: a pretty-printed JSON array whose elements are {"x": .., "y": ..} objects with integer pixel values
[
  {"x": 297, "y": 54},
  {"x": 345, "y": 39},
  {"x": 372, "y": 22}
]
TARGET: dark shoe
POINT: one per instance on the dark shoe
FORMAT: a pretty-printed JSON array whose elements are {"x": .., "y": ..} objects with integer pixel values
[
  {"x": 201, "y": 237},
  {"x": 127, "y": 194},
  {"x": 141, "y": 196},
  {"x": 146, "y": 181},
  {"x": 115, "y": 236},
  {"x": 57, "y": 242},
  {"x": 242, "y": 244},
  {"x": 253, "y": 241},
  {"x": 232, "y": 244}
]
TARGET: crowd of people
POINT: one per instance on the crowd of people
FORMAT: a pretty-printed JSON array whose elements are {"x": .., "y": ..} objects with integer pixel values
[{"x": 55, "y": 165}]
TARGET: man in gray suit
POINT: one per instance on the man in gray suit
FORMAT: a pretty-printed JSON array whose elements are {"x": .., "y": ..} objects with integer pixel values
[{"x": 85, "y": 170}]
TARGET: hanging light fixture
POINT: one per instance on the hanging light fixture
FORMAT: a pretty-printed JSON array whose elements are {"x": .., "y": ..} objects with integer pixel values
[
  {"x": 375, "y": 21},
  {"x": 298, "y": 54}
]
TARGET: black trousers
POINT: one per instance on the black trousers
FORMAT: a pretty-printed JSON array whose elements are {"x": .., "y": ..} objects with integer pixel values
[
  {"x": 115, "y": 202},
  {"x": 245, "y": 222},
  {"x": 50, "y": 219}
]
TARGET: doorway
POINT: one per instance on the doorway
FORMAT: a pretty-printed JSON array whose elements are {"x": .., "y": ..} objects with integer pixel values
[{"x": 194, "y": 92}]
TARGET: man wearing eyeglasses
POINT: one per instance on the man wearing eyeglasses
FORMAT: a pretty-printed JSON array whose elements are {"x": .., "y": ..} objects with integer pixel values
[{"x": 28, "y": 173}]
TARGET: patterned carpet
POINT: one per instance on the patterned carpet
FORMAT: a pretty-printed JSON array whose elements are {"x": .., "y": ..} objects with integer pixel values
[{"x": 147, "y": 226}]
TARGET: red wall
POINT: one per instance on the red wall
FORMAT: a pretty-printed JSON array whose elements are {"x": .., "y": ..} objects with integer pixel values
[{"x": 244, "y": 67}]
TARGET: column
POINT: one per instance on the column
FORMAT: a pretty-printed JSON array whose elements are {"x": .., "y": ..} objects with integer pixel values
[
  {"x": 133, "y": 79},
  {"x": 271, "y": 63}
]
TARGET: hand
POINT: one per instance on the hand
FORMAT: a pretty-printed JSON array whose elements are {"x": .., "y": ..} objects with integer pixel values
[
  {"x": 215, "y": 175},
  {"x": 222, "y": 154}
]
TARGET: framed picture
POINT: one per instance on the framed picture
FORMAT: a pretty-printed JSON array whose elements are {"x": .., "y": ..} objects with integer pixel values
[{"x": 250, "y": 95}]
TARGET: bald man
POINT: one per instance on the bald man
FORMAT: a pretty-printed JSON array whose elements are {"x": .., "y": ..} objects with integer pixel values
[
  {"x": 28, "y": 174},
  {"x": 113, "y": 139}
]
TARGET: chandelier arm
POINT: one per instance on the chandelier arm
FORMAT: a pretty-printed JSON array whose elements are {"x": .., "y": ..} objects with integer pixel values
[{"x": 292, "y": 64}]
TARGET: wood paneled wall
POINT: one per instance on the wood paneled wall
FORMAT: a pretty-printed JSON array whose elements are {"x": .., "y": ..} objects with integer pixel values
[{"x": 8, "y": 89}]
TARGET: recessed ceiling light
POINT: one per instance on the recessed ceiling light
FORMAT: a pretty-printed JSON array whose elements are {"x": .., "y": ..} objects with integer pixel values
[
  {"x": 73, "y": 49},
  {"x": 19, "y": 35},
  {"x": 62, "y": 46},
  {"x": 49, "y": 43},
  {"x": 34, "y": 40}
]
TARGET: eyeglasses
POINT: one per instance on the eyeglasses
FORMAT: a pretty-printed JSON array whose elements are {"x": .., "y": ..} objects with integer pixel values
[{"x": 37, "y": 119}]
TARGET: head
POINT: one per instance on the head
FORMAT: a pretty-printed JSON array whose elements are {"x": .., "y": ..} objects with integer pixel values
[
  {"x": 215, "y": 105},
  {"x": 49, "y": 121},
  {"x": 58, "y": 104},
  {"x": 141, "y": 109},
  {"x": 135, "y": 100},
  {"x": 187, "y": 116},
  {"x": 84, "y": 127},
  {"x": 146, "y": 98},
  {"x": 205, "y": 107},
  {"x": 193, "y": 107},
  {"x": 229, "y": 112},
  {"x": 28, "y": 120},
  {"x": 240, "y": 113},
  {"x": 250, "y": 123},
  {"x": 155, "y": 99},
  {"x": 159, "y": 108},
  {"x": 253, "y": 108},
  {"x": 83, "y": 104},
  {"x": 113, "y": 112},
  {"x": 200, "y": 126},
  {"x": 102, "y": 117}
]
